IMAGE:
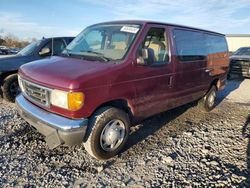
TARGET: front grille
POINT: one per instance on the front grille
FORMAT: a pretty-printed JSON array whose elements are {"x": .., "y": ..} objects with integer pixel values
[
  {"x": 245, "y": 63},
  {"x": 34, "y": 92},
  {"x": 240, "y": 67}
]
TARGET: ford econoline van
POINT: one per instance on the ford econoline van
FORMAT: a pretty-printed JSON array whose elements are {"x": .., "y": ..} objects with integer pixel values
[{"x": 115, "y": 73}]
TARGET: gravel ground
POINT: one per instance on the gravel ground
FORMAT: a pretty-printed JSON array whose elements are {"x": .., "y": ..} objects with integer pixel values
[{"x": 184, "y": 147}]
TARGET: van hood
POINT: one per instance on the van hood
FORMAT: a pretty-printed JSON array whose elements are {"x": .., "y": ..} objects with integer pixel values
[
  {"x": 13, "y": 62},
  {"x": 240, "y": 57},
  {"x": 66, "y": 73}
]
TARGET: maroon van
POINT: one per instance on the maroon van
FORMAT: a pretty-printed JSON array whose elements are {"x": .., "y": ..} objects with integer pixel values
[{"x": 114, "y": 73}]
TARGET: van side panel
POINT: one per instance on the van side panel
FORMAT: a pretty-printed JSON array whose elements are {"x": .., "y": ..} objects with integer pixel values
[
  {"x": 190, "y": 63},
  {"x": 201, "y": 58},
  {"x": 148, "y": 90},
  {"x": 218, "y": 59}
]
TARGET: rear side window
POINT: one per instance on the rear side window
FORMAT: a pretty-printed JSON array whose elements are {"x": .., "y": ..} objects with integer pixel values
[
  {"x": 190, "y": 45},
  {"x": 215, "y": 44}
]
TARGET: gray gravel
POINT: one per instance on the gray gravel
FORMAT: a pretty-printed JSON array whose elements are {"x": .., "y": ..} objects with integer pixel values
[{"x": 184, "y": 147}]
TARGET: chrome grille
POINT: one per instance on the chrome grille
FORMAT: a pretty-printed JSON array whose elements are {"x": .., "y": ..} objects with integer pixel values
[{"x": 34, "y": 92}]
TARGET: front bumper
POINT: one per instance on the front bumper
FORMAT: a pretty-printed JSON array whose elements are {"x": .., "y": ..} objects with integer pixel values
[{"x": 58, "y": 130}]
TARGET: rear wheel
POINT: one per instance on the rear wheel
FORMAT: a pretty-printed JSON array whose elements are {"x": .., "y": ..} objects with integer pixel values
[
  {"x": 10, "y": 88},
  {"x": 107, "y": 133},
  {"x": 208, "y": 101}
]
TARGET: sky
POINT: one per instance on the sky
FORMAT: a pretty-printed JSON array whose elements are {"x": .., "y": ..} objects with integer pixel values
[{"x": 27, "y": 19}]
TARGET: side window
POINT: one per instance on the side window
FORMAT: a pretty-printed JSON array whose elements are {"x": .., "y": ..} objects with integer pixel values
[
  {"x": 48, "y": 44},
  {"x": 190, "y": 45},
  {"x": 46, "y": 50},
  {"x": 215, "y": 44},
  {"x": 58, "y": 46},
  {"x": 154, "y": 48},
  {"x": 69, "y": 40}
]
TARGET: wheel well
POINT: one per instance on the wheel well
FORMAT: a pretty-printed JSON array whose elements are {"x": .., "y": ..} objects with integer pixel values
[
  {"x": 214, "y": 83},
  {"x": 5, "y": 74},
  {"x": 120, "y": 104}
]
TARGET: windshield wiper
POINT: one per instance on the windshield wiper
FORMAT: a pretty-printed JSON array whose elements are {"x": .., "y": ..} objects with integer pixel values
[{"x": 99, "y": 54}]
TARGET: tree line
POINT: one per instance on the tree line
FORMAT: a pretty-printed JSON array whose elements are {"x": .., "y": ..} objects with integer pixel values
[{"x": 12, "y": 41}]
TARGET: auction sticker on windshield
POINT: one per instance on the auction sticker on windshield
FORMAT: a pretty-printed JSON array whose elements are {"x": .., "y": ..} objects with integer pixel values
[{"x": 129, "y": 29}]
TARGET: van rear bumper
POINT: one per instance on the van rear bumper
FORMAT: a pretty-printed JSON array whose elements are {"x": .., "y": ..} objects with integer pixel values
[{"x": 58, "y": 130}]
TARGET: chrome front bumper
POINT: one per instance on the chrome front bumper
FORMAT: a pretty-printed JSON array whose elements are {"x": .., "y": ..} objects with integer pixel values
[{"x": 57, "y": 129}]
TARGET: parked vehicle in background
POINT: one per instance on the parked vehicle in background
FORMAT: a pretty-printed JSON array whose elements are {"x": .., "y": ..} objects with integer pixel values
[
  {"x": 37, "y": 50},
  {"x": 14, "y": 50},
  {"x": 113, "y": 74},
  {"x": 240, "y": 63},
  {"x": 4, "y": 50}
]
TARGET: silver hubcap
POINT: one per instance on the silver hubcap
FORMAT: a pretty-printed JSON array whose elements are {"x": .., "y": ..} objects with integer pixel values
[
  {"x": 112, "y": 135},
  {"x": 211, "y": 99}
]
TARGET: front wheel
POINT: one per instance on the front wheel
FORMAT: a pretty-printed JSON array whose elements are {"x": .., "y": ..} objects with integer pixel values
[
  {"x": 10, "y": 88},
  {"x": 107, "y": 133},
  {"x": 208, "y": 101}
]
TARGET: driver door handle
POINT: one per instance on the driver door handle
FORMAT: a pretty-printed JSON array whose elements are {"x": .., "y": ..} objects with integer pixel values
[{"x": 170, "y": 80}]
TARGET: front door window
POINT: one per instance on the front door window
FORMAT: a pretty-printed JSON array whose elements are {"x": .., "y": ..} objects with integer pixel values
[{"x": 155, "y": 45}]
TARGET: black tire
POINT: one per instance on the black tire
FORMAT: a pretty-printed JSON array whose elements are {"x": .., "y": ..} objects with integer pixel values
[
  {"x": 208, "y": 101},
  {"x": 1, "y": 94},
  {"x": 10, "y": 88},
  {"x": 98, "y": 122}
]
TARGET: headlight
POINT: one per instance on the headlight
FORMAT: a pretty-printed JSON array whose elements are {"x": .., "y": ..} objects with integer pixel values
[
  {"x": 20, "y": 83},
  {"x": 67, "y": 100}
]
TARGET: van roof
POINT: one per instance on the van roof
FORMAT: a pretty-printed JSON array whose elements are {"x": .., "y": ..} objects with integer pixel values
[{"x": 144, "y": 22}]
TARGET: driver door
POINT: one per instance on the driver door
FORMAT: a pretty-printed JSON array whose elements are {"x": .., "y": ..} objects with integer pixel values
[{"x": 154, "y": 79}]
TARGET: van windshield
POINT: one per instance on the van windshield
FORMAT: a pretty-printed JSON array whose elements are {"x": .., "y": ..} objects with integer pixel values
[
  {"x": 28, "y": 50},
  {"x": 104, "y": 42}
]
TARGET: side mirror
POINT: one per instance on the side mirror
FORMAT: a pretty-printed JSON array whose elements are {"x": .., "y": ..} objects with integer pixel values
[
  {"x": 45, "y": 51},
  {"x": 145, "y": 56}
]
